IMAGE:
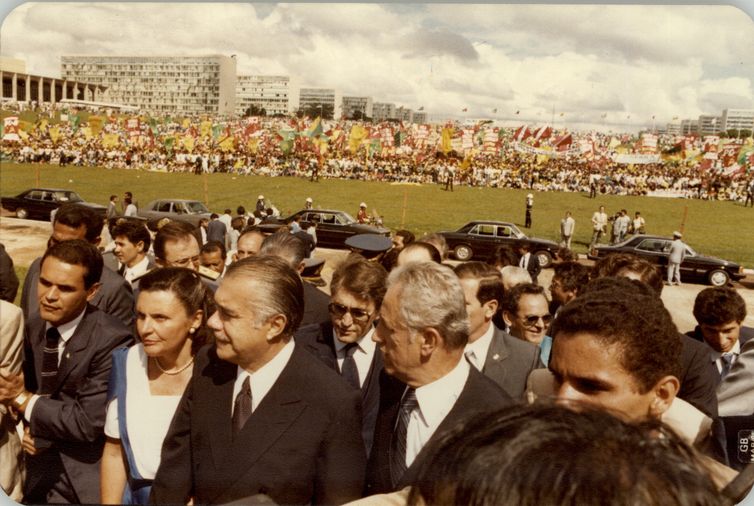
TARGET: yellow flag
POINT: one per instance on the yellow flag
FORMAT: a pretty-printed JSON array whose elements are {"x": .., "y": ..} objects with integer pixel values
[
  {"x": 358, "y": 134},
  {"x": 186, "y": 123},
  {"x": 205, "y": 128},
  {"x": 95, "y": 124},
  {"x": 447, "y": 140},
  {"x": 188, "y": 143},
  {"x": 55, "y": 133},
  {"x": 252, "y": 145},
  {"x": 226, "y": 144},
  {"x": 110, "y": 140},
  {"x": 87, "y": 131}
]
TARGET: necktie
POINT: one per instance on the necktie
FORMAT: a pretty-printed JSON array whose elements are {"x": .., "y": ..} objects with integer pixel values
[
  {"x": 348, "y": 370},
  {"x": 728, "y": 359},
  {"x": 398, "y": 442},
  {"x": 242, "y": 406},
  {"x": 471, "y": 357},
  {"x": 50, "y": 361},
  {"x": 122, "y": 269}
]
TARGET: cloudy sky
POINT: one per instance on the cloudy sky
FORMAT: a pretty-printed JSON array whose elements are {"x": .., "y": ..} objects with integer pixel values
[{"x": 606, "y": 66}]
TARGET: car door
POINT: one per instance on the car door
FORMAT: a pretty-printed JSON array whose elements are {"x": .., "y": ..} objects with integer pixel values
[
  {"x": 484, "y": 239},
  {"x": 337, "y": 230},
  {"x": 35, "y": 204},
  {"x": 655, "y": 250}
]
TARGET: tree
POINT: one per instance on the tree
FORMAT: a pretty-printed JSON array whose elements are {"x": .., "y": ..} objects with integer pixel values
[
  {"x": 315, "y": 110},
  {"x": 255, "y": 110}
]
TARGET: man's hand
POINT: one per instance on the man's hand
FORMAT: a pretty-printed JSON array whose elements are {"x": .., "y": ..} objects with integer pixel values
[
  {"x": 28, "y": 443},
  {"x": 10, "y": 387}
]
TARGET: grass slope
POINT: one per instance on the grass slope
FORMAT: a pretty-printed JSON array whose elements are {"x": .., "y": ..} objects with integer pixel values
[{"x": 722, "y": 229}]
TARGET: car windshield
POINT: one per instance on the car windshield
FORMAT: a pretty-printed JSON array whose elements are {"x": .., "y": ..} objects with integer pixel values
[
  {"x": 63, "y": 196},
  {"x": 196, "y": 207},
  {"x": 345, "y": 219}
]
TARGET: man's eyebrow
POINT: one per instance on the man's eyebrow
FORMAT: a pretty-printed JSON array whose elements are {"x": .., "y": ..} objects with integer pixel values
[{"x": 225, "y": 310}]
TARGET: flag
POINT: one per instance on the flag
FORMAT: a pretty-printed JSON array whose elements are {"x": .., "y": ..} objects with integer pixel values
[
  {"x": 75, "y": 120},
  {"x": 54, "y": 133},
  {"x": 205, "y": 128},
  {"x": 96, "y": 123},
  {"x": 315, "y": 128},
  {"x": 563, "y": 143},
  {"x": 494, "y": 111},
  {"x": 357, "y": 135},
  {"x": 542, "y": 133},
  {"x": 464, "y": 109},
  {"x": 110, "y": 140},
  {"x": 10, "y": 129},
  {"x": 446, "y": 141},
  {"x": 168, "y": 142},
  {"x": 522, "y": 133}
]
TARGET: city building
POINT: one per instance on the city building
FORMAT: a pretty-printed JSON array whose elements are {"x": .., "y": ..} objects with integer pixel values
[
  {"x": 323, "y": 99},
  {"x": 18, "y": 85},
  {"x": 709, "y": 124},
  {"x": 420, "y": 117},
  {"x": 357, "y": 106},
  {"x": 689, "y": 127},
  {"x": 673, "y": 128},
  {"x": 382, "y": 111},
  {"x": 738, "y": 119},
  {"x": 404, "y": 114},
  {"x": 161, "y": 84},
  {"x": 271, "y": 93}
]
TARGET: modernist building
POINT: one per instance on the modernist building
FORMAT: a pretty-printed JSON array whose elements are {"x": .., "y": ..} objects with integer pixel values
[
  {"x": 20, "y": 86},
  {"x": 327, "y": 98},
  {"x": 404, "y": 114},
  {"x": 160, "y": 84},
  {"x": 382, "y": 111},
  {"x": 420, "y": 117},
  {"x": 709, "y": 124},
  {"x": 271, "y": 93},
  {"x": 352, "y": 105},
  {"x": 673, "y": 128},
  {"x": 689, "y": 127},
  {"x": 738, "y": 119}
]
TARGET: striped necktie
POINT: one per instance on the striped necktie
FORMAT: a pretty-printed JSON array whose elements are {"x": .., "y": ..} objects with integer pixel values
[
  {"x": 398, "y": 442},
  {"x": 242, "y": 406},
  {"x": 50, "y": 361}
]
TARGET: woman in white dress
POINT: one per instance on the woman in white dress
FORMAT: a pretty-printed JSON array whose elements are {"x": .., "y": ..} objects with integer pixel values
[{"x": 148, "y": 379}]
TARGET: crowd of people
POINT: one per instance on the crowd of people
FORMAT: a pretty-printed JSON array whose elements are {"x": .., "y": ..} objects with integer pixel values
[
  {"x": 477, "y": 155},
  {"x": 169, "y": 370}
]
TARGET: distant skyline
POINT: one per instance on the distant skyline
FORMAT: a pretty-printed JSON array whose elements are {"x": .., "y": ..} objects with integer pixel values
[{"x": 587, "y": 66}]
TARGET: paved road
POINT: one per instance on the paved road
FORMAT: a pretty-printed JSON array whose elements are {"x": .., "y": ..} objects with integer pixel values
[{"x": 25, "y": 240}]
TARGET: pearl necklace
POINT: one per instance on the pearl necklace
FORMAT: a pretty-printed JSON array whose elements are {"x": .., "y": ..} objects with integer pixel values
[{"x": 173, "y": 373}]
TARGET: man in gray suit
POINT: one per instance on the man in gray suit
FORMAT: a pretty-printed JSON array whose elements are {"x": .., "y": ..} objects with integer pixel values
[
  {"x": 675, "y": 258},
  {"x": 734, "y": 394},
  {"x": 501, "y": 357}
]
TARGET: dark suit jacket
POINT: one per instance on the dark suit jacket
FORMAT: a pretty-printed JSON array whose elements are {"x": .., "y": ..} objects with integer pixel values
[
  {"x": 509, "y": 362},
  {"x": 746, "y": 334},
  {"x": 72, "y": 419},
  {"x": 699, "y": 377},
  {"x": 216, "y": 231},
  {"x": 533, "y": 267},
  {"x": 315, "y": 305},
  {"x": 301, "y": 445},
  {"x": 319, "y": 340},
  {"x": 480, "y": 394},
  {"x": 113, "y": 297}
]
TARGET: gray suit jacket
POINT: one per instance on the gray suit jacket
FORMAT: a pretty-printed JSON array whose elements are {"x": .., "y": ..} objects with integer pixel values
[
  {"x": 509, "y": 362},
  {"x": 113, "y": 297},
  {"x": 734, "y": 395},
  {"x": 11, "y": 358}
]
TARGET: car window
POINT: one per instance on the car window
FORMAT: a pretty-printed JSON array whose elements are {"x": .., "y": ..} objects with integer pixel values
[
  {"x": 163, "y": 207},
  {"x": 481, "y": 229},
  {"x": 196, "y": 207},
  {"x": 328, "y": 218},
  {"x": 347, "y": 218},
  {"x": 34, "y": 195},
  {"x": 340, "y": 220},
  {"x": 503, "y": 231},
  {"x": 68, "y": 197},
  {"x": 180, "y": 208},
  {"x": 48, "y": 196},
  {"x": 653, "y": 245}
]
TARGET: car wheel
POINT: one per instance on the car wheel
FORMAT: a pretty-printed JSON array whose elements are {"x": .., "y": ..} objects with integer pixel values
[
  {"x": 544, "y": 258},
  {"x": 22, "y": 213},
  {"x": 463, "y": 253},
  {"x": 718, "y": 277}
]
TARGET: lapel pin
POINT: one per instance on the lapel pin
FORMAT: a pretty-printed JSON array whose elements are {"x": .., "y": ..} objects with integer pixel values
[
  {"x": 496, "y": 357},
  {"x": 68, "y": 355}
]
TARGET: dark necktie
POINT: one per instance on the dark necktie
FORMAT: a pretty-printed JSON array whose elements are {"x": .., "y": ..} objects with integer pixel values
[
  {"x": 50, "y": 361},
  {"x": 727, "y": 363},
  {"x": 348, "y": 369},
  {"x": 122, "y": 270},
  {"x": 242, "y": 406},
  {"x": 398, "y": 442}
]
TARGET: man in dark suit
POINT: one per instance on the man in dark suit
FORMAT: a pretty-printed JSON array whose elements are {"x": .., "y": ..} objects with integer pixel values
[
  {"x": 422, "y": 332},
  {"x": 216, "y": 229},
  {"x": 501, "y": 357},
  {"x": 114, "y": 296},
  {"x": 527, "y": 260},
  {"x": 293, "y": 250},
  {"x": 67, "y": 362},
  {"x": 260, "y": 415},
  {"x": 344, "y": 342}
]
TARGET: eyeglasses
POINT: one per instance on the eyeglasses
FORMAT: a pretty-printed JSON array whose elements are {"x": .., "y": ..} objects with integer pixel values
[
  {"x": 532, "y": 320},
  {"x": 185, "y": 262},
  {"x": 339, "y": 311}
]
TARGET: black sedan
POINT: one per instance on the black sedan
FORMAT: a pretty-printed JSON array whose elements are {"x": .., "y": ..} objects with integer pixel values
[
  {"x": 333, "y": 227},
  {"x": 654, "y": 248},
  {"x": 190, "y": 211},
  {"x": 480, "y": 239},
  {"x": 38, "y": 203}
]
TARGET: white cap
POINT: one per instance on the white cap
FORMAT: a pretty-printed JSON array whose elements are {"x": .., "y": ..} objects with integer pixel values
[
  {"x": 530, "y": 196},
  {"x": 261, "y": 197},
  {"x": 677, "y": 234},
  {"x": 362, "y": 204},
  {"x": 309, "y": 199}
]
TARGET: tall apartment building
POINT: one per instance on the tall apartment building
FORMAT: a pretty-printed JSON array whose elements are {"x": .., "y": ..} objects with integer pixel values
[
  {"x": 420, "y": 117},
  {"x": 382, "y": 111},
  {"x": 272, "y": 93},
  {"x": 404, "y": 114},
  {"x": 709, "y": 124},
  {"x": 352, "y": 105},
  {"x": 738, "y": 119},
  {"x": 689, "y": 127},
  {"x": 316, "y": 97},
  {"x": 673, "y": 128},
  {"x": 161, "y": 84}
]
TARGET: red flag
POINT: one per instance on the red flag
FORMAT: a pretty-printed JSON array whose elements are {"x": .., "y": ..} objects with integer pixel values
[
  {"x": 522, "y": 133},
  {"x": 542, "y": 133},
  {"x": 563, "y": 142}
]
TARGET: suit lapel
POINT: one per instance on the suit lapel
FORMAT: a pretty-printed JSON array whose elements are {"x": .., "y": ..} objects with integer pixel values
[
  {"x": 326, "y": 346},
  {"x": 496, "y": 356},
  {"x": 219, "y": 412},
  {"x": 75, "y": 347}
]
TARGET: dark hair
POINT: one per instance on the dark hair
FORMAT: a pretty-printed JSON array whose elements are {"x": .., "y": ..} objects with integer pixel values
[
  {"x": 78, "y": 252},
  {"x": 490, "y": 280},
  {"x": 75, "y": 215},
  {"x": 719, "y": 305},
  {"x": 618, "y": 264},
  {"x": 187, "y": 286},
  {"x": 134, "y": 231},
  {"x": 213, "y": 216},
  {"x": 439, "y": 242},
  {"x": 513, "y": 296},
  {"x": 113, "y": 197},
  {"x": 362, "y": 278},
  {"x": 282, "y": 287},
  {"x": 286, "y": 246},
  {"x": 504, "y": 255},
  {"x": 565, "y": 255},
  {"x": 212, "y": 246},
  {"x": 237, "y": 223},
  {"x": 625, "y": 313},
  {"x": 408, "y": 237},
  {"x": 433, "y": 252},
  {"x": 240, "y": 210},
  {"x": 547, "y": 454},
  {"x": 226, "y": 211},
  {"x": 572, "y": 276},
  {"x": 173, "y": 231}
]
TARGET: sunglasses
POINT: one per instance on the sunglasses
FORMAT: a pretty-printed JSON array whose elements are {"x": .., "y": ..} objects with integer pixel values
[
  {"x": 532, "y": 320},
  {"x": 339, "y": 311}
]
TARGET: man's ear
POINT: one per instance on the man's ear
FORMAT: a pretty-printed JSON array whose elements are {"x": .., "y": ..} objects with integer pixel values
[
  {"x": 490, "y": 308},
  {"x": 664, "y": 391},
  {"x": 301, "y": 266},
  {"x": 430, "y": 341},
  {"x": 92, "y": 291},
  {"x": 277, "y": 326},
  {"x": 508, "y": 318}
]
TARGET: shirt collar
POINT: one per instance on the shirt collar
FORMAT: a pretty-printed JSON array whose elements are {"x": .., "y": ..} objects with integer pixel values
[
  {"x": 140, "y": 267},
  {"x": 364, "y": 345},
  {"x": 265, "y": 377},
  {"x": 67, "y": 330},
  {"x": 436, "y": 399},
  {"x": 481, "y": 346}
]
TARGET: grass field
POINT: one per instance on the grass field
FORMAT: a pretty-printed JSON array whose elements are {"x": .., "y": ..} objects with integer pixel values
[{"x": 722, "y": 229}]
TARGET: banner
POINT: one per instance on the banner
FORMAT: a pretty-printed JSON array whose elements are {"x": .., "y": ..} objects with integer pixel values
[
  {"x": 526, "y": 148},
  {"x": 10, "y": 129},
  {"x": 636, "y": 159}
]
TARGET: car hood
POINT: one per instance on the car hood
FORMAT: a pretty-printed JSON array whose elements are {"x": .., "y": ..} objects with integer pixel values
[{"x": 713, "y": 260}]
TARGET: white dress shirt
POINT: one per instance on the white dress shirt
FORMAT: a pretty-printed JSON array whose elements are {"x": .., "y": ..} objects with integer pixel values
[
  {"x": 141, "y": 267},
  {"x": 362, "y": 356},
  {"x": 476, "y": 352},
  {"x": 435, "y": 401},
  {"x": 736, "y": 350},
  {"x": 524, "y": 262},
  {"x": 66, "y": 331},
  {"x": 262, "y": 380}
]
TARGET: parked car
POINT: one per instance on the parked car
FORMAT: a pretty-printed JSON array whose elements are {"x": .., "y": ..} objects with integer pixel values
[
  {"x": 38, "y": 203},
  {"x": 191, "y": 211},
  {"x": 479, "y": 239},
  {"x": 333, "y": 227},
  {"x": 695, "y": 266}
]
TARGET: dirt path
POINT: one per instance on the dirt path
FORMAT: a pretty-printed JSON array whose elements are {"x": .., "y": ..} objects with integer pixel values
[{"x": 25, "y": 240}]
